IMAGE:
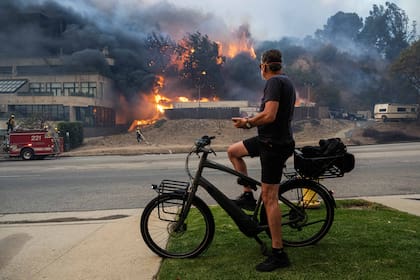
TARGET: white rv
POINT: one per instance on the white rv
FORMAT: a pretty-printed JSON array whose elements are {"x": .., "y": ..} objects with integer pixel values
[{"x": 393, "y": 111}]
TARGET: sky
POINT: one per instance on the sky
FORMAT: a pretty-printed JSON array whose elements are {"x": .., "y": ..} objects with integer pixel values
[
  {"x": 273, "y": 19},
  {"x": 267, "y": 19}
]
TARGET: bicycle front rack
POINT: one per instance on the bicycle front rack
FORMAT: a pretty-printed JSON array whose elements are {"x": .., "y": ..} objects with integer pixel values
[{"x": 169, "y": 209}]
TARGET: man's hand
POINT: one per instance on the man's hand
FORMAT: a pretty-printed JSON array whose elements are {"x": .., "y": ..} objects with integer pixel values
[{"x": 240, "y": 122}]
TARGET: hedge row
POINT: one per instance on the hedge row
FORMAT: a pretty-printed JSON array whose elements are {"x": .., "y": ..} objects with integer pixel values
[{"x": 72, "y": 132}]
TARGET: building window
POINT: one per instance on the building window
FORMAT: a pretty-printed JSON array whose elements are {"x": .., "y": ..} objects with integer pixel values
[
  {"x": 36, "y": 87},
  {"x": 92, "y": 88},
  {"x": 69, "y": 89},
  {"x": 43, "y": 112},
  {"x": 88, "y": 89},
  {"x": 94, "y": 116},
  {"x": 54, "y": 88},
  {"x": 6, "y": 70}
]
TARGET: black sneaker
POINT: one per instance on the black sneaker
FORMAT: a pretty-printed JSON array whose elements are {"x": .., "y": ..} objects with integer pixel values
[
  {"x": 246, "y": 201},
  {"x": 273, "y": 262}
]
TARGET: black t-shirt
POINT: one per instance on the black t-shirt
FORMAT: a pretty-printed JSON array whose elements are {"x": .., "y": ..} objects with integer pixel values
[{"x": 279, "y": 88}]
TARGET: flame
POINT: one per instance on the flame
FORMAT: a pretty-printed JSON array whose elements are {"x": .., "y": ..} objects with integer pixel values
[
  {"x": 183, "y": 99},
  {"x": 241, "y": 47},
  {"x": 139, "y": 123},
  {"x": 160, "y": 103},
  {"x": 183, "y": 54},
  {"x": 242, "y": 44},
  {"x": 303, "y": 102},
  {"x": 156, "y": 101}
]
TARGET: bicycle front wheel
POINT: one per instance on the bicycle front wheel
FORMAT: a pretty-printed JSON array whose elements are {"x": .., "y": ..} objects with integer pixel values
[{"x": 163, "y": 233}]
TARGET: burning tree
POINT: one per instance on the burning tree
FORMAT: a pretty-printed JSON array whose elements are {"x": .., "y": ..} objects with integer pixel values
[
  {"x": 161, "y": 51},
  {"x": 201, "y": 64}
]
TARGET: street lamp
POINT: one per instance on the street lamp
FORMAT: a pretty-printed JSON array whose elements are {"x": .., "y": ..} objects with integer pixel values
[
  {"x": 203, "y": 73},
  {"x": 308, "y": 97}
]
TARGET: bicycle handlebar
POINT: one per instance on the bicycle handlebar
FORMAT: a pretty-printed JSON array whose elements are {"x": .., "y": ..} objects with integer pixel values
[
  {"x": 204, "y": 141},
  {"x": 199, "y": 147}
]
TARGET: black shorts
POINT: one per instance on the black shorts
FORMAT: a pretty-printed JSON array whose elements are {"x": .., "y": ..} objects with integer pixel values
[{"x": 272, "y": 157}]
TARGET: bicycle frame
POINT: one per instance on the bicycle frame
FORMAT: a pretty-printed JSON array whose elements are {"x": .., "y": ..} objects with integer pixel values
[
  {"x": 296, "y": 195},
  {"x": 248, "y": 224}
]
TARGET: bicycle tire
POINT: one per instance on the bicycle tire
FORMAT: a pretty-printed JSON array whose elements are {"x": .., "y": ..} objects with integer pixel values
[
  {"x": 159, "y": 220},
  {"x": 311, "y": 217}
]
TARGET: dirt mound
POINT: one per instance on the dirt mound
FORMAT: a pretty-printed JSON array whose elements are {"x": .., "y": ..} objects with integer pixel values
[
  {"x": 173, "y": 136},
  {"x": 385, "y": 132},
  {"x": 176, "y": 136}
]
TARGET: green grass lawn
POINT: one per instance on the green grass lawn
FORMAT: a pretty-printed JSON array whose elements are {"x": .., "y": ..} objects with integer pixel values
[{"x": 366, "y": 241}]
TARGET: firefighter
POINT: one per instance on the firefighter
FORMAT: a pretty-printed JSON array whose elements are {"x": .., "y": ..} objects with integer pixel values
[
  {"x": 139, "y": 135},
  {"x": 11, "y": 123}
]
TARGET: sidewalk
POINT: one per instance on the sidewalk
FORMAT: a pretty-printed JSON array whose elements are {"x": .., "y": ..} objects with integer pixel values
[
  {"x": 100, "y": 245},
  {"x": 409, "y": 203},
  {"x": 92, "y": 249}
]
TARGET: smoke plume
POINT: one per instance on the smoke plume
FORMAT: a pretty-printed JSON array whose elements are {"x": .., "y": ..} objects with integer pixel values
[
  {"x": 79, "y": 32},
  {"x": 141, "y": 39}
]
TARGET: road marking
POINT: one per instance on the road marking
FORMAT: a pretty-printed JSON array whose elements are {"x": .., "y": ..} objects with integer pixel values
[{"x": 19, "y": 176}]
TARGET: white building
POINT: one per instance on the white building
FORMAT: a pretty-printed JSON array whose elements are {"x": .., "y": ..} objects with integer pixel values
[{"x": 44, "y": 87}]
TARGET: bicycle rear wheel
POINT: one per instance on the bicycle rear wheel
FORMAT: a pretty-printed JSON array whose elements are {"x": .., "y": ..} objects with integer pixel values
[
  {"x": 307, "y": 212},
  {"x": 165, "y": 236}
]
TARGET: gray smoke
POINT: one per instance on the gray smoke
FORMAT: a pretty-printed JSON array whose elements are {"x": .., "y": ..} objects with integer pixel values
[{"x": 77, "y": 31}]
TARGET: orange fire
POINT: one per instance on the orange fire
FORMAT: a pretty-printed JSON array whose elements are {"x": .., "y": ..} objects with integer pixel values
[
  {"x": 182, "y": 55},
  {"x": 161, "y": 102},
  {"x": 157, "y": 102},
  {"x": 303, "y": 102},
  {"x": 242, "y": 44}
]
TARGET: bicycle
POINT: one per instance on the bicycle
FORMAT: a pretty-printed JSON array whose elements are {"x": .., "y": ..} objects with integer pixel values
[{"x": 178, "y": 224}]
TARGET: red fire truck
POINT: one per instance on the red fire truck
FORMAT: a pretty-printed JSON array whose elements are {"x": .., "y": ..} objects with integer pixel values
[{"x": 30, "y": 144}]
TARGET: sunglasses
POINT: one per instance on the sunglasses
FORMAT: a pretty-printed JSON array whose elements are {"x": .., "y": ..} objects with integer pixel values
[{"x": 263, "y": 64}]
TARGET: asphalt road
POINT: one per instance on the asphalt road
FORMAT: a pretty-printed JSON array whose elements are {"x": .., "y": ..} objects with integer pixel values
[{"x": 123, "y": 182}]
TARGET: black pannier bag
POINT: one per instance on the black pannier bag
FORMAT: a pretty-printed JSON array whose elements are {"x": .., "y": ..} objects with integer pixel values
[{"x": 328, "y": 160}]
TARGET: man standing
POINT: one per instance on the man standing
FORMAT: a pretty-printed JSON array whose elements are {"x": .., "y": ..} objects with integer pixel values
[
  {"x": 274, "y": 145},
  {"x": 11, "y": 123},
  {"x": 139, "y": 135}
]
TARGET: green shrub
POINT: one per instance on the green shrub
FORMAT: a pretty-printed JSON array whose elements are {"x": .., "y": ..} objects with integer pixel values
[
  {"x": 388, "y": 136},
  {"x": 75, "y": 134}
]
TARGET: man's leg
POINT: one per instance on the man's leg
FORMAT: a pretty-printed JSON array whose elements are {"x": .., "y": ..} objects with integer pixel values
[
  {"x": 236, "y": 152},
  {"x": 278, "y": 258},
  {"x": 269, "y": 193}
]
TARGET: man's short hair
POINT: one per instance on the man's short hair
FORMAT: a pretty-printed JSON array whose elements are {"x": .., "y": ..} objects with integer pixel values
[{"x": 273, "y": 59}]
